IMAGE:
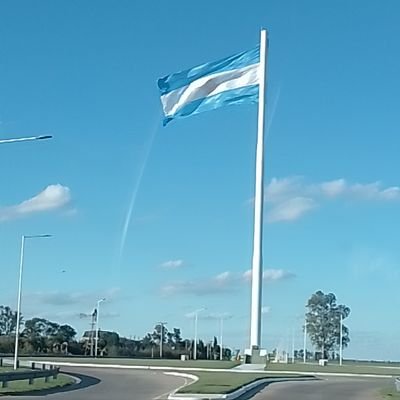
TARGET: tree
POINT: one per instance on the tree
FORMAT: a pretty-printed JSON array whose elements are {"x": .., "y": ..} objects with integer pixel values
[
  {"x": 216, "y": 349},
  {"x": 201, "y": 350},
  {"x": 66, "y": 333},
  {"x": 62, "y": 336},
  {"x": 226, "y": 353},
  {"x": 177, "y": 337},
  {"x": 147, "y": 341},
  {"x": 6, "y": 344},
  {"x": 156, "y": 336},
  {"x": 43, "y": 335},
  {"x": 323, "y": 322},
  {"x": 109, "y": 343},
  {"x": 8, "y": 320},
  {"x": 35, "y": 333}
]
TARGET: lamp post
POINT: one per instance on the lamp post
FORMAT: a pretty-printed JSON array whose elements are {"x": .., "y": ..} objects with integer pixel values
[
  {"x": 25, "y": 139},
  {"x": 293, "y": 349},
  {"x": 196, "y": 317},
  {"x": 21, "y": 270},
  {"x": 96, "y": 341},
  {"x": 221, "y": 332},
  {"x": 162, "y": 337}
]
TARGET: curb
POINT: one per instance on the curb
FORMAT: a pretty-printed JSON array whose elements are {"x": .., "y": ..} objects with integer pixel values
[
  {"x": 236, "y": 371},
  {"x": 339, "y": 374},
  {"x": 143, "y": 367},
  {"x": 225, "y": 396},
  {"x": 188, "y": 376},
  {"x": 77, "y": 380},
  {"x": 194, "y": 378}
]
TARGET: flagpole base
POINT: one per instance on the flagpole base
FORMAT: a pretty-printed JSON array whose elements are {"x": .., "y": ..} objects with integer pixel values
[{"x": 255, "y": 355}]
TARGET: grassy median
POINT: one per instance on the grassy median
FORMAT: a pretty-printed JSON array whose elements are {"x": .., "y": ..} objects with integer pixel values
[
  {"x": 142, "y": 362},
  {"x": 18, "y": 387},
  {"x": 352, "y": 368},
  {"x": 390, "y": 392},
  {"x": 226, "y": 382},
  {"x": 6, "y": 369}
]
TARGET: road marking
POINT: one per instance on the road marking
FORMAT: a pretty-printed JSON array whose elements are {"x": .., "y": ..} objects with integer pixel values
[{"x": 166, "y": 394}]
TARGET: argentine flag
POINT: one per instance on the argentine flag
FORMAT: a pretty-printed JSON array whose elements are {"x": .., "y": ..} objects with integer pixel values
[{"x": 232, "y": 80}]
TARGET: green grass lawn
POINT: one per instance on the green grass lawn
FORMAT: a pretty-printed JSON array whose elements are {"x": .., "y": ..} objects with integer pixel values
[
  {"x": 351, "y": 368},
  {"x": 143, "y": 362},
  {"x": 226, "y": 382},
  {"x": 9, "y": 368},
  {"x": 39, "y": 384},
  {"x": 390, "y": 392},
  {"x": 6, "y": 369},
  {"x": 373, "y": 363}
]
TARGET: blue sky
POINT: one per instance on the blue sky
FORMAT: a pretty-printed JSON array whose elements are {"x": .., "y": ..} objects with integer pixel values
[{"x": 86, "y": 73}]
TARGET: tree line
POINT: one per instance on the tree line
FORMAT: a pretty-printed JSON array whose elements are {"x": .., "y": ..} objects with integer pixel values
[{"x": 41, "y": 336}]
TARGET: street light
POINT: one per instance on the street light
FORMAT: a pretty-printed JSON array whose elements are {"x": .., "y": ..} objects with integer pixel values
[
  {"x": 25, "y": 139},
  {"x": 162, "y": 337},
  {"x": 196, "y": 317},
  {"x": 221, "y": 331},
  {"x": 21, "y": 269},
  {"x": 96, "y": 341}
]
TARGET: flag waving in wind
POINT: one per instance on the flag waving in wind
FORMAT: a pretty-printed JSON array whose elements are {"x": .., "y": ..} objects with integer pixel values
[{"x": 232, "y": 80}]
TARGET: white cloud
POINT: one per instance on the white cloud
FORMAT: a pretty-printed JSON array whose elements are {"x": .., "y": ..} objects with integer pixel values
[
  {"x": 277, "y": 274},
  {"x": 291, "y": 209},
  {"x": 223, "y": 277},
  {"x": 333, "y": 188},
  {"x": 208, "y": 316},
  {"x": 370, "y": 191},
  {"x": 292, "y": 197},
  {"x": 225, "y": 282},
  {"x": 247, "y": 275},
  {"x": 59, "y": 298},
  {"x": 172, "y": 264},
  {"x": 374, "y": 191},
  {"x": 265, "y": 309},
  {"x": 391, "y": 193},
  {"x": 53, "y": 197},
  {"x": 270, "y": 274},
  {"x": 221, "y": 283},
  {"x": 216, "y": 316},
  {"x": 282, "y": 188}
]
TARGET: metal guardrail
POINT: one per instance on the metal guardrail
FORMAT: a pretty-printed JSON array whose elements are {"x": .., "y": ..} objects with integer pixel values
[{"x": 29, "y": 375}]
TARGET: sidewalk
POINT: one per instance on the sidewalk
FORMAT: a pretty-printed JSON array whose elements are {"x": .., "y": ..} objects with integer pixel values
[{"x": 250, "y": 367}]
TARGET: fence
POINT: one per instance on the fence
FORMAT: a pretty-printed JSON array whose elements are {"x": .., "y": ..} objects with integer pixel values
[{"x": 29, "y": 375}]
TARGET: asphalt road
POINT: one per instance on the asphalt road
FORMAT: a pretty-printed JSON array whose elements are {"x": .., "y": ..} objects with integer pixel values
[
  {"x": 324, "y": 389},
  {"x": 113, "y": 384}
]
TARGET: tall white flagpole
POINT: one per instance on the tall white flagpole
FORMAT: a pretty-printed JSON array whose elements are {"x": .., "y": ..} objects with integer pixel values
[
  {"x": 341, "y": 340},
  {"x": 257, "y": 267},
  {"x": 305, "y": 342}
]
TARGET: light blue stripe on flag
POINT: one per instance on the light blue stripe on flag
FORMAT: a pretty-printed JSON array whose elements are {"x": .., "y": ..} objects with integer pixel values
[
  {"x": 184, "y": 78},
  {"x": 233, "y": 80},
  {"x": 247, "y": 94}
]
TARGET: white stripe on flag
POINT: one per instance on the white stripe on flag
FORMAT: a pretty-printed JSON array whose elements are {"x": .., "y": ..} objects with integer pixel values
[{"x": 208, "y": 86}]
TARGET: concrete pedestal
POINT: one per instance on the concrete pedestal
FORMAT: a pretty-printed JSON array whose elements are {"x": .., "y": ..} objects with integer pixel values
[{"x": 255, "y": 356}]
